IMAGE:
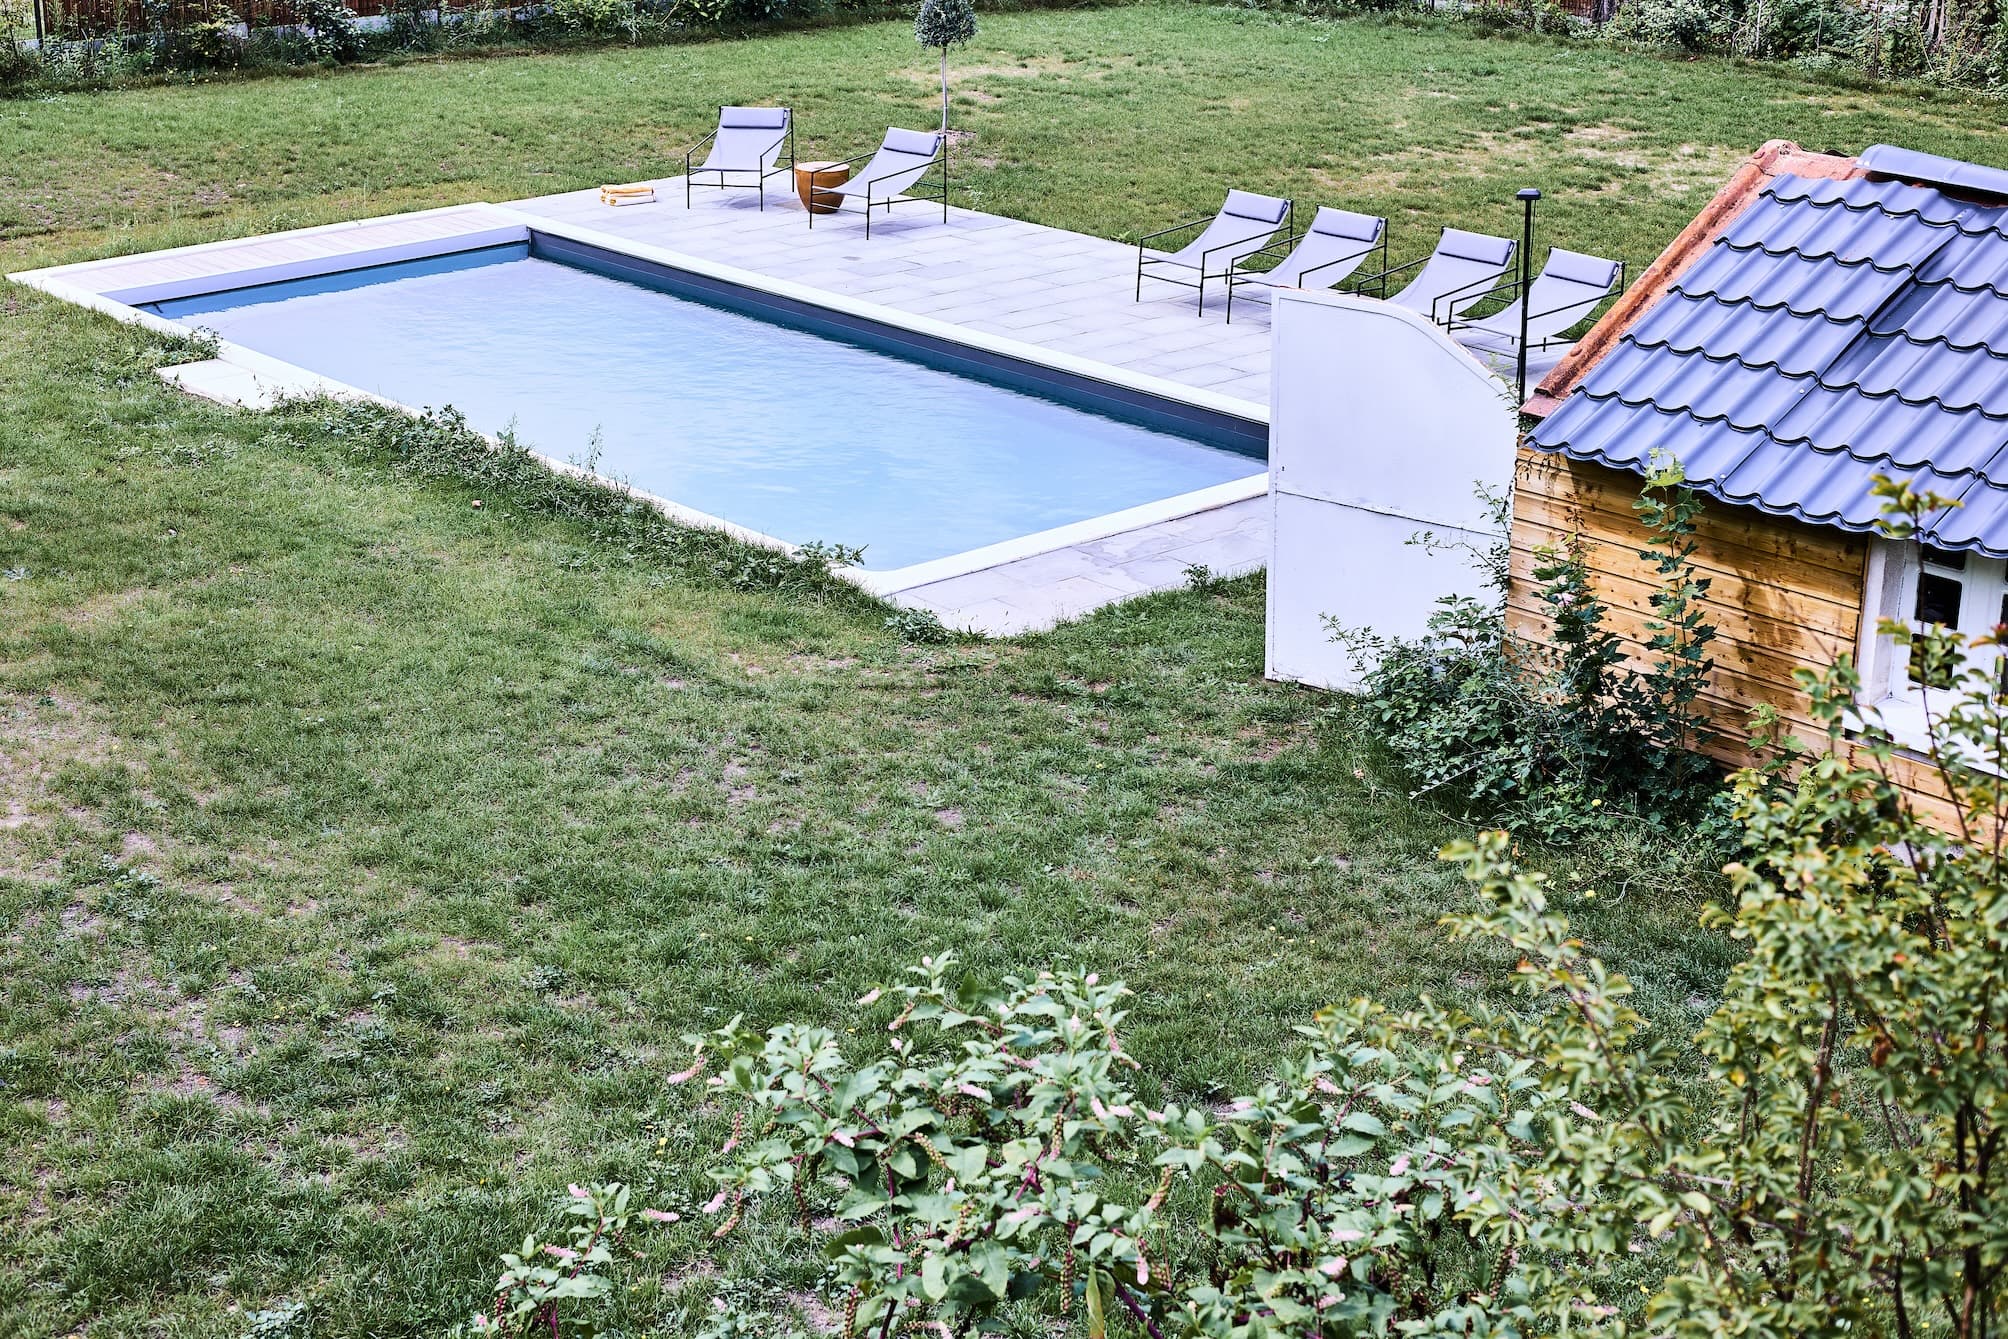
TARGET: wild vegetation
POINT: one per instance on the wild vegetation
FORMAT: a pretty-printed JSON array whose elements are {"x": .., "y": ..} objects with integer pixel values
[
  {"x": 1561, "y": 737},
  {"x": 97, "y": 43}
]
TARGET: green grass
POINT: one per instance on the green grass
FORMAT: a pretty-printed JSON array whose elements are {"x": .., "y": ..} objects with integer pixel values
[
  {"x": 364, "y": 853},
  {"x": 1111, "y": 121}
]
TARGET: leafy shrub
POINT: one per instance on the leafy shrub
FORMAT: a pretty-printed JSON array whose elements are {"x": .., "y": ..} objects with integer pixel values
[
  {"x": 923, "y": 627},
  {"x": 1550, "y": 737},
  {"x": 213, "y": 42},
  {"x": 604, "y": 18},
  {"x": 1683, "y": 25},
  {"x": 329, "y": 31}
]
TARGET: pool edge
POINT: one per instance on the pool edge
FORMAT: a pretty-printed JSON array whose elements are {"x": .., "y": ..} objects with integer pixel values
[{"x": 270, "y": 379}]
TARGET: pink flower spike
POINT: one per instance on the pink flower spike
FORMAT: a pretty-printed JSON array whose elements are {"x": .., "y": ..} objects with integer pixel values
[
  {"x": 562, "y": 1252},
  {"x": 844, "y": 1137},
  {"x": 1346, "y": 1234},
  {"x": 685, "y": 1076},
  {"x": 1399, "y": 1167},
  {"x": 871, "y": 997},
  {"x": 1334, "y": 1266},
  {"x": 658, "y": 1216},
  {"x": 717, "y": 1203},
  {"x": 576, "y": 1193}
]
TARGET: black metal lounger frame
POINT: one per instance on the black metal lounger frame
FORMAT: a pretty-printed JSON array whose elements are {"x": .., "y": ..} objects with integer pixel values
[
  {"x": 1235, "y": 277},
  {"x": 1512, "y": 287}
]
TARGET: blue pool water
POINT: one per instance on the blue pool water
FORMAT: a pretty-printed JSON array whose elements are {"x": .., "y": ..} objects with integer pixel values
[{"x": 795, "y": 434}]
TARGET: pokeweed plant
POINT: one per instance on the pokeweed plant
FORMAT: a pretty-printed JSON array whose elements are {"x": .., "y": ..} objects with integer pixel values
[
  {"x": 547, "y": 1288},
  {"x": 1420, "y": 1169}
]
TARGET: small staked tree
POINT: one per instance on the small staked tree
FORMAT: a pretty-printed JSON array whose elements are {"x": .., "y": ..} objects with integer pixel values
[{"x": 942, "y": 24}]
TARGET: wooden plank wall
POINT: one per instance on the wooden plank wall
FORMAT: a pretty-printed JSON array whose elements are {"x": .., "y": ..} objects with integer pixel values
[{"x": 1786, "y": 595}]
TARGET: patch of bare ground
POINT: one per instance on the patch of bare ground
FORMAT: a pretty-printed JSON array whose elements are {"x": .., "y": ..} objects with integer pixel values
[
  {"x": 822, "y": 1319},
  {"x": 1267, "y": 745},
  {"x": 106, "y": 607},
  {"x": 39, "y": 736}
]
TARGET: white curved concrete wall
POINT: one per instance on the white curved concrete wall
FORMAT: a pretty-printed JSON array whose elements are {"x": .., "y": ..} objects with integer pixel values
[{"x": 1381, "y": 427}]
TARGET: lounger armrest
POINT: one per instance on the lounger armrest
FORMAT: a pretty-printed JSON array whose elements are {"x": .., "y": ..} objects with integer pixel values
[
  {"x": 1393, "y": 270},
  {"x": 1176, "y": 227},
  {"x": 1278, "y": 251},
  {"x": 888, "y": 176},
  {"x": 1456, "y": 322},
  {"x": 1206, "y": 256},
  {"x": 1466, "y": 291},
  {"x": 1513, "y": 336},
  {"x": 1568, "y": 307},
  {"x": 691, "y": 152}
]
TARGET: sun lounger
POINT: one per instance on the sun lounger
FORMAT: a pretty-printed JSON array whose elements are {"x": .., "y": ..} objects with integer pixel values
[
  {"x": 749, "y": 142},
  {"x": 894, "y": 171},
  {"x": 1464, "y": 267},
  {"x": 1244, "y": 225},
  {"x": 1325, "y": 257}
]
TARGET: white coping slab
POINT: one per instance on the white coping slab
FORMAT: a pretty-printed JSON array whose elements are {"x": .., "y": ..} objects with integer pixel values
[{"x": 1056, "y": 298}]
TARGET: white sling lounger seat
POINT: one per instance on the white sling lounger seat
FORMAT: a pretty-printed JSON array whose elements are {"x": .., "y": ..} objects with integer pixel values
[
  {"x": 1244, "y": 225},
  {"x": 901, "y": 161},
  {"x": 749, "y": 142},
  {"x": 1566, "y": 291},
  {"x": 1325, "y": 257},
  {"x": 1464, "y": 267}
]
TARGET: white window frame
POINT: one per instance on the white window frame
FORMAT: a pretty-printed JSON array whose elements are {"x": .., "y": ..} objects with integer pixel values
[{"x": 1896, "y": 569}]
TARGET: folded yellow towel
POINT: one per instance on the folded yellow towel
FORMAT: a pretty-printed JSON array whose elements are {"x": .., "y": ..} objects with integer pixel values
[{"x": 627, "y": 195}]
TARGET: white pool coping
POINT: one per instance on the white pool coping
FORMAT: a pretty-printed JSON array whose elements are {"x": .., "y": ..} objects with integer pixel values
[{"x": 243, "y": 376}]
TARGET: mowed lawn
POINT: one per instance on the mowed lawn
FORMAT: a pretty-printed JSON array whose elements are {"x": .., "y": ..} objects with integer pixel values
[{"x": 363, "y": 853}]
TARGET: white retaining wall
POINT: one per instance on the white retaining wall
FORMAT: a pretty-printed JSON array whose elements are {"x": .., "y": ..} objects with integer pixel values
[{"x": 1381, "y": 428}]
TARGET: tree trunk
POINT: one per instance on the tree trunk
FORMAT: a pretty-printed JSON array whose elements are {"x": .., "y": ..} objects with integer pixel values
[{"x": 944, "y": 90}]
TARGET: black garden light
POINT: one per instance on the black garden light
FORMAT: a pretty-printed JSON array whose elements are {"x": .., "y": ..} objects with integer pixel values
[{"x": 1526, "y": 195}]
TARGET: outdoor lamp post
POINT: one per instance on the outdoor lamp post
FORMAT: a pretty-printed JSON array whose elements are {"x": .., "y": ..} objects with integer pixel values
[{"x": 1526, "y": 195}]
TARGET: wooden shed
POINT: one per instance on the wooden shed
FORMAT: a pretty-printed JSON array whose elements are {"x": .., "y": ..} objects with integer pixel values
[{"x": 1825, "y": 320}]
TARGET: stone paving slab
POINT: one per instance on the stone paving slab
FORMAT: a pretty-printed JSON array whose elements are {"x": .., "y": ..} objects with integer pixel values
[{"x": 1036, "y": 593}]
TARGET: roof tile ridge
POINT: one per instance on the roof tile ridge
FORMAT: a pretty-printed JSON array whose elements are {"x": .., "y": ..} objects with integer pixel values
[{"x": 1776, "y": 158}]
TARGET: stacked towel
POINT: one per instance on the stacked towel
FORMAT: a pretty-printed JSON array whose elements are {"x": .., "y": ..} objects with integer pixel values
[{"x": 639, "y": 194}]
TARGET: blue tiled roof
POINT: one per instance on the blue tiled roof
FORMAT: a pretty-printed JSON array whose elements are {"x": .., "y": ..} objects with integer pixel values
[{"x": 1831, "y": 332}]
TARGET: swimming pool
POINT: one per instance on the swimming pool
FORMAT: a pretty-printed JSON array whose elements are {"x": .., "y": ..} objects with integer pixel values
[{"x": 788, "y": 421}]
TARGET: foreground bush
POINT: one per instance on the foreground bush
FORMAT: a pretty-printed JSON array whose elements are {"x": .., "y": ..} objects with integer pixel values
[
  {"x": 995, "y": 1160},
  {"x": 1563, "y": 739}
]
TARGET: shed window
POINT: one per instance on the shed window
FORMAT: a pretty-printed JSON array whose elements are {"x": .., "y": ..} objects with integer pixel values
[
  {"x": 1916, "y": 583},
  {"x": 1962, "y": 591}
]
